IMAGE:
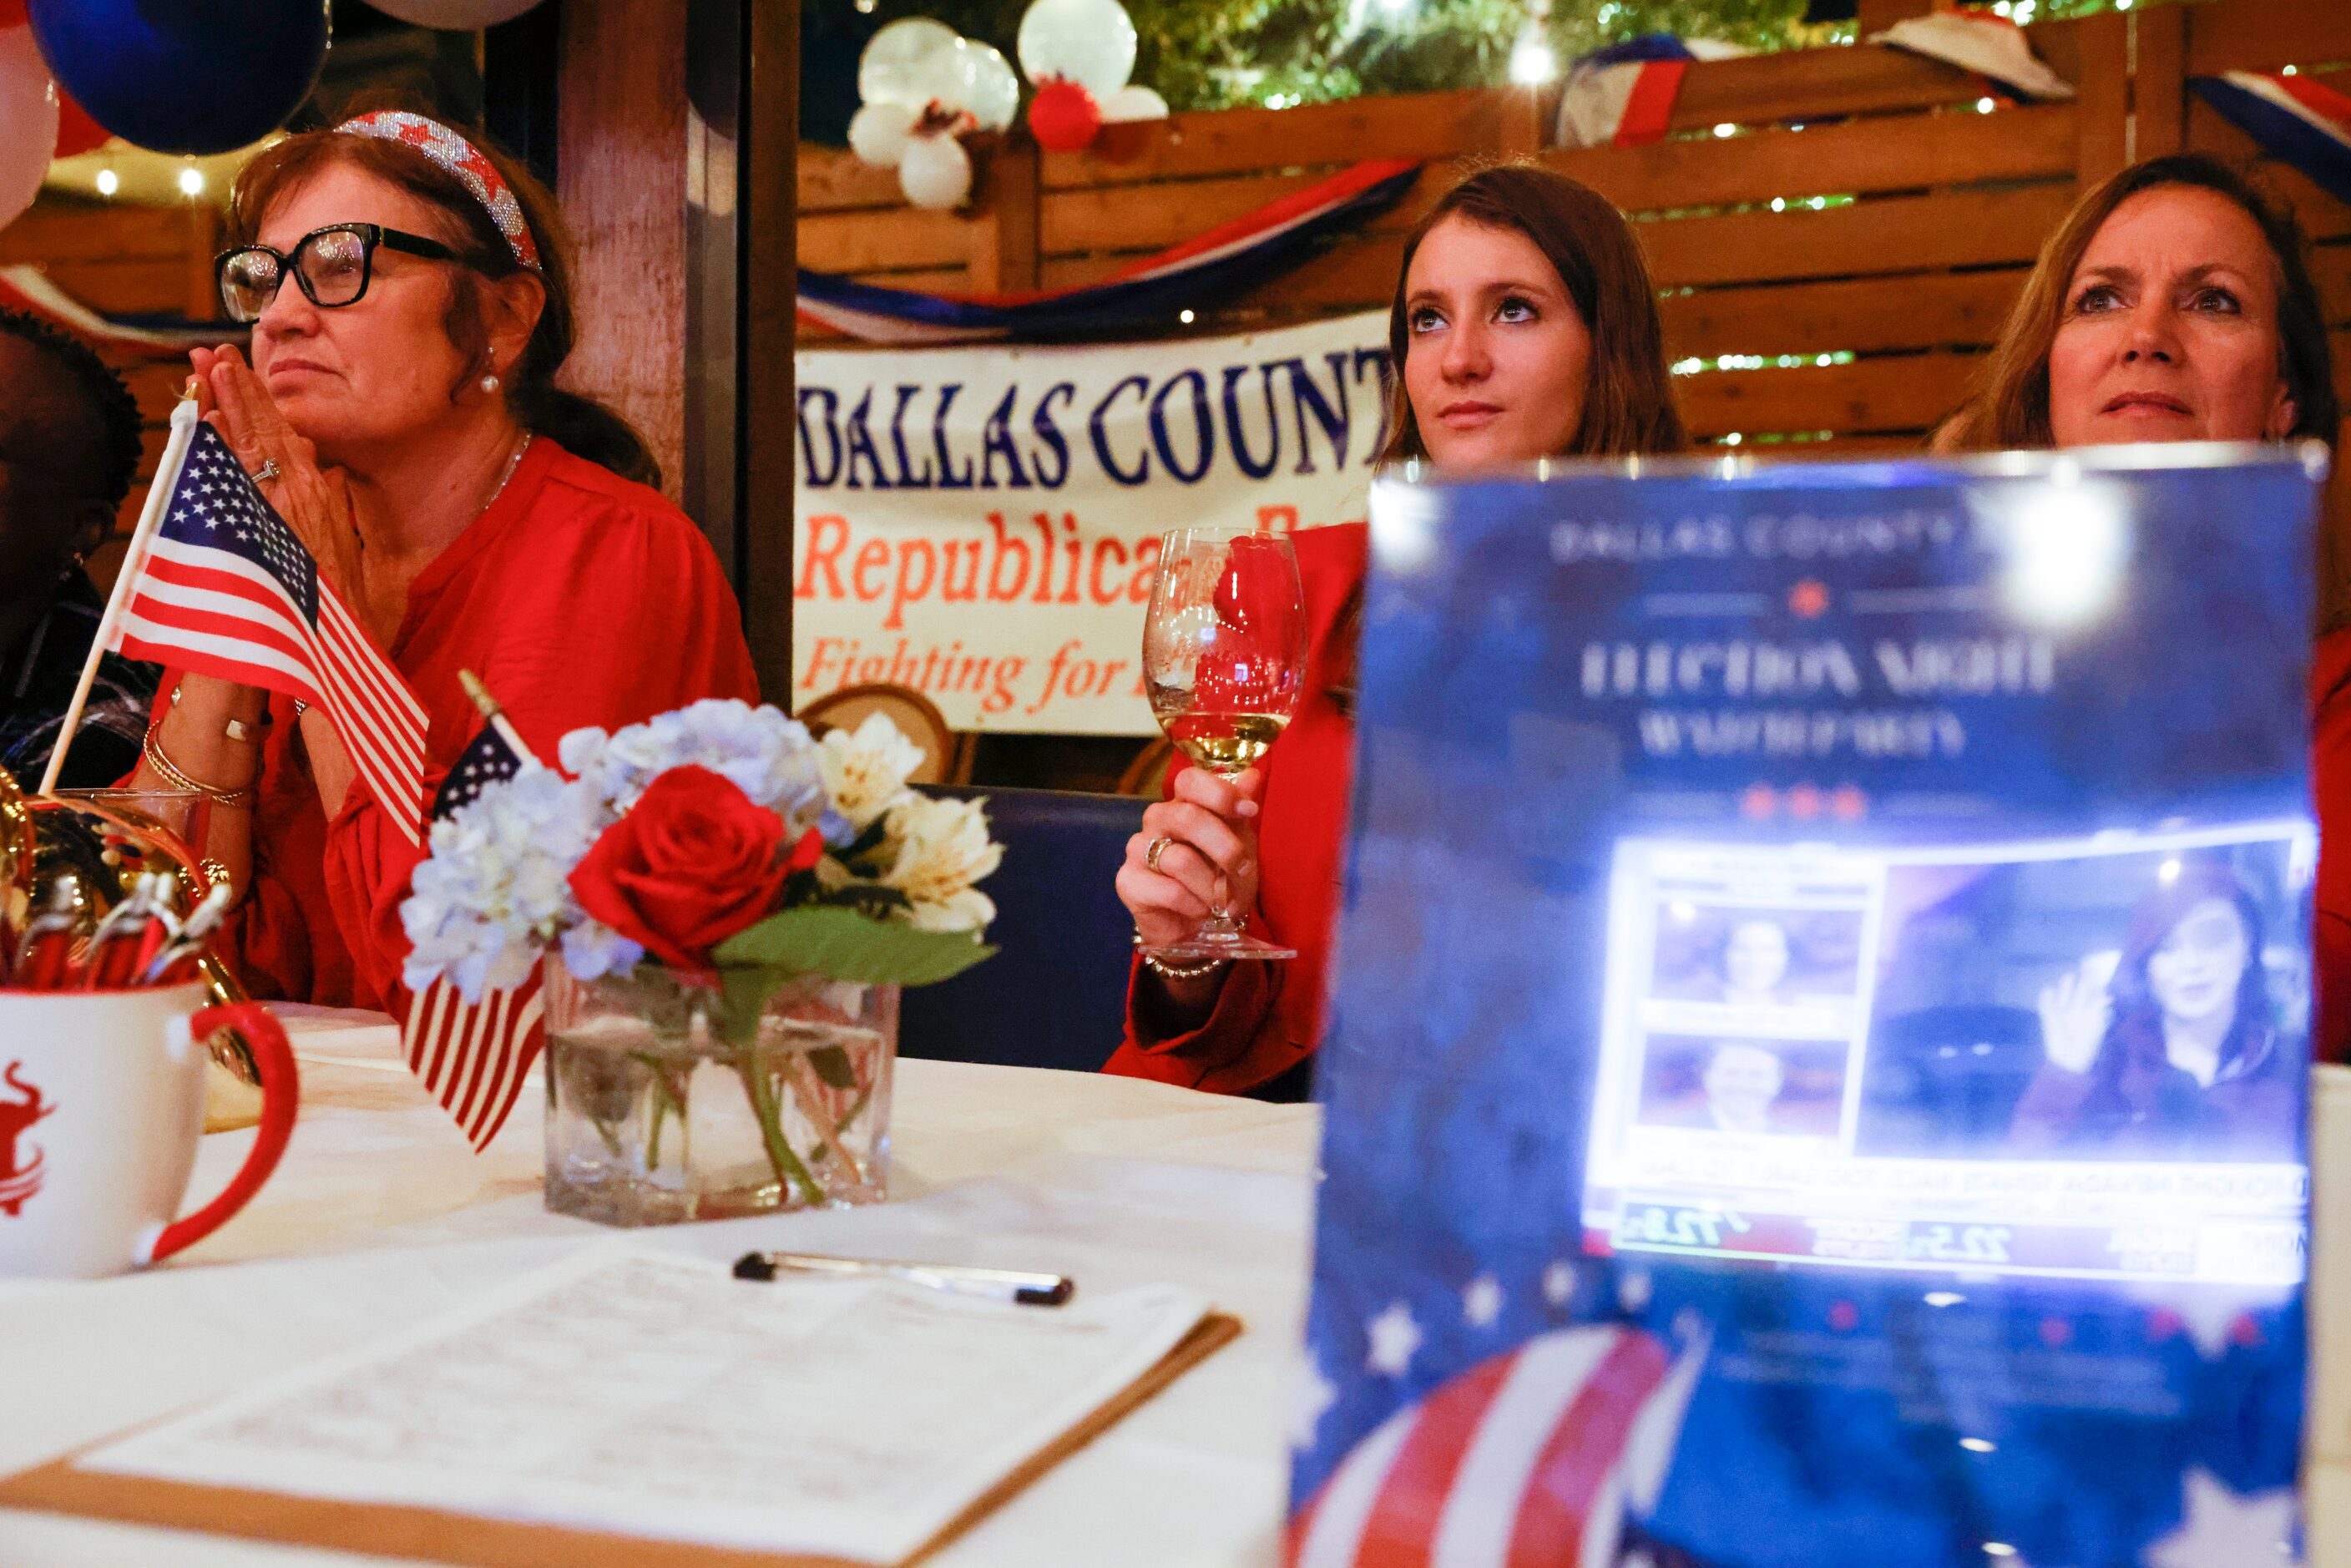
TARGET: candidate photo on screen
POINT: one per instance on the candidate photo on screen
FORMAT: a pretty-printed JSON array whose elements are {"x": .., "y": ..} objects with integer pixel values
[
  {"x": 1755, "y": 957},
  {"x": 1790, "y": 1088},
  {"x": 2149, "y": 1004}
]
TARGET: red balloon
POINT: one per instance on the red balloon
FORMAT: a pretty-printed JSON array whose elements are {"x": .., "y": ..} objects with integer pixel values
[
  {"x": 77, "y": 131},
  {"x": 1063, "y": 116}
]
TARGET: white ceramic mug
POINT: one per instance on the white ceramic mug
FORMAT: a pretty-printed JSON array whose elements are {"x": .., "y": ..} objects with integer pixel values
[{"x": 101, "y": 1103}]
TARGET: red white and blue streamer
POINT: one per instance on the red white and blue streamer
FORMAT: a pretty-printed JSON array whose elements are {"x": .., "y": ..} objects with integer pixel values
[
  {"x": 2295, "y": 119},
  {"x": 1622, "y": 95},
  {"x": 1204, "y": 270}
]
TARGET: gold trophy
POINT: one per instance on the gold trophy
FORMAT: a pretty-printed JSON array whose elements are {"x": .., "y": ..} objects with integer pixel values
[{"x": 106, "y": 842}]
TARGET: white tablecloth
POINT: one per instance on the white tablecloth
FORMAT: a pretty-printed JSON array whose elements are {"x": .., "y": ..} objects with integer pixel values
[{"x": 379, "y": 1216}]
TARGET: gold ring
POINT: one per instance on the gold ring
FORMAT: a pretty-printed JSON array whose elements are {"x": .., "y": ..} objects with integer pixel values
[{"x": 1158, "y": 847}]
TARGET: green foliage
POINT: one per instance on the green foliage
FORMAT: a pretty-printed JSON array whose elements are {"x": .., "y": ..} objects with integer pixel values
[
  {"x": 843, "y": 945},
  {"x": 1217, "y": 54}
]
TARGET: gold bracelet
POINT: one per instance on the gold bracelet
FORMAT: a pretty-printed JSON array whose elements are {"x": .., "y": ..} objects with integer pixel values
[
  {"x": 153, "y": 750},
  {"x": 1167, "y": 971}
]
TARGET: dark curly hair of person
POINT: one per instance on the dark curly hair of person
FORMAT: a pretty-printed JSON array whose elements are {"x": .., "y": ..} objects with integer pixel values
[{"x": 111, "y": 403}]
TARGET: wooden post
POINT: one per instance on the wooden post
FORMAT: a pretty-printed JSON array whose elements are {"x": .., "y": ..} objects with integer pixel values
[
  {"x": 2103, "y": 96},
  {"x": 2159, "y": 81},
  {"x": 770, "y": 194},
  {"x": 1004, "y": 257},
  {"x": 621, "y": 177}
]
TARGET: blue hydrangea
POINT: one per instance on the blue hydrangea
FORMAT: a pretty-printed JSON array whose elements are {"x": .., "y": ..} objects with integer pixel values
[
  {"x": 770, "y": 757},
  {"x": 496, "y": 889}
]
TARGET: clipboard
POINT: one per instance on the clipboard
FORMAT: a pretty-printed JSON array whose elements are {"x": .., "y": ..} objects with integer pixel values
[{"x": 473, "y": 1541}]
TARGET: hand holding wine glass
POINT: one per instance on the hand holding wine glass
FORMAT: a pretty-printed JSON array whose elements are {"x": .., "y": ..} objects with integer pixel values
[{"x": 1224, "y": 659}]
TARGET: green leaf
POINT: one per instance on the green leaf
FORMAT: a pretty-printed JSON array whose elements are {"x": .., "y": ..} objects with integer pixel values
[
  {"x": 743, "y": 993},
  {"x": 831, "y": 1063},
  {"x": 843, "y": 945}
]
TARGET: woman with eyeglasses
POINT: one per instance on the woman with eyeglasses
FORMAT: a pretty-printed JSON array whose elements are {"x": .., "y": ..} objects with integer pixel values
[{"x": 411, "y": 310}]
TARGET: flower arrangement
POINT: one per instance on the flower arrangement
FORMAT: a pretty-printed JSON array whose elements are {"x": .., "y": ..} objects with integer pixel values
[{"x": 696, "y": 865}]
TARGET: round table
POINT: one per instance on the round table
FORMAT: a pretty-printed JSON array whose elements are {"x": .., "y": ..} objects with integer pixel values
[{"x": 379, "y": 1216}]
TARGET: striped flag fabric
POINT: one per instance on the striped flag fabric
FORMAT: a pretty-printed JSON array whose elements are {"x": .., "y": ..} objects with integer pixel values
[
  {"x": 472, "y": 1056},
  {"x": 2294, "y": 118},
  {"x": 224, "y": 588},
  {"x": 1210, "y": 266},
  {"x": 1529, "y": 1459}
]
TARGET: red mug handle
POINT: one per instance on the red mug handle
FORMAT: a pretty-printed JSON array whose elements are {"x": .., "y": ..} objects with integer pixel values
[{"x": 280, "y": 1092}]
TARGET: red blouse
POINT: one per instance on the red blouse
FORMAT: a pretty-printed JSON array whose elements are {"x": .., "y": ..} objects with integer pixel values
[
  {"x": 579, "y": 599},
  {"x": 2330, "y": 788},
  {"x": 1268, "y": 1016}
]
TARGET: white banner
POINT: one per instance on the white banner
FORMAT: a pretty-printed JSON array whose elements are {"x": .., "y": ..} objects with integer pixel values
[{"x": 981, "y": 524}]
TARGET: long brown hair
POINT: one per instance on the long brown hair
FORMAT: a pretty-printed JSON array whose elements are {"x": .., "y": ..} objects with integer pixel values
[
  {"x": 2010, "y": 406},
  {"x": 1629, "y": 406},
  {"x": 583, "y": 426}
]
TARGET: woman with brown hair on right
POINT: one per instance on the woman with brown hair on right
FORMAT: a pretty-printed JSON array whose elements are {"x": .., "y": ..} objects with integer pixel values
[
  {"x": 2175, "y": 303},
  {"x": 1524, "y": 326}
]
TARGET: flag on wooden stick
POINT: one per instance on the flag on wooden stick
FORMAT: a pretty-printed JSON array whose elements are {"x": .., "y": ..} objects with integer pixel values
[
  {"x": 217, "y": 583},
  {"x": 472, "y": 1055}
]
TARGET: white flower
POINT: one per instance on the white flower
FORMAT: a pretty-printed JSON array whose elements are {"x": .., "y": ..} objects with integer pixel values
[
  {"x": 495, "y": 889},
  {"x": 865, "y": 771},
  {"x": 935, "y": 850},
  {"x": 770, "y": 757}
]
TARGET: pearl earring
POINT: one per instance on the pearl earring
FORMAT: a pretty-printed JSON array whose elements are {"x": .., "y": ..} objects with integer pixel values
[{"x": 490, "y": 386}]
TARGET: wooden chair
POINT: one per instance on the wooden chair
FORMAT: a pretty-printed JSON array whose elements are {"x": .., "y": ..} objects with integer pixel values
[
  {"x": 1147, "y": 775},
  {"x": 946, "y": 756}
]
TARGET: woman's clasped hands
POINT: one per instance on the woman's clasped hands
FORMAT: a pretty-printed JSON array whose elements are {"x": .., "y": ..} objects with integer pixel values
[
  {"x": 1208, "y": 860},
  {"x": 316, "y": 503}
]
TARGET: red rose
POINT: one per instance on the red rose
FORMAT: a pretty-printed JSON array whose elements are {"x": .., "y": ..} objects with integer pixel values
[{"x": 691, "y": 865}]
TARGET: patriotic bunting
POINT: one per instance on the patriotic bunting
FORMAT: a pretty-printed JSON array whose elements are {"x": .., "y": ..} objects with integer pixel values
[
  {"x": 1209, "y": 267},
  {"x": 2295, "y": 119}
]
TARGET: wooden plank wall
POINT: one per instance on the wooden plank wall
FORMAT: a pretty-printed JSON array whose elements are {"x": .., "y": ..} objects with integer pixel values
[
  {"x": 127, "y": 260},
  {"x": 1931, "y": 211}
]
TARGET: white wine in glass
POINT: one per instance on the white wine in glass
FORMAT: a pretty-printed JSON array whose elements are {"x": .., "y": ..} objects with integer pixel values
[{"x": 1224, "y": 663}]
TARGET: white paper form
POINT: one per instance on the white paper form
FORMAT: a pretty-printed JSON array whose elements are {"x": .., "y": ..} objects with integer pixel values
[{"x": 655, "y": 1394}]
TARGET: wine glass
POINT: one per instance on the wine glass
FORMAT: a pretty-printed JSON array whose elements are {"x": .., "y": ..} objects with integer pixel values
[{"x": 1224, "y": 661}]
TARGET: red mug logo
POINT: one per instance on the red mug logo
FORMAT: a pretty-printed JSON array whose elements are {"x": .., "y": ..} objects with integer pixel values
[{"x": 19, "y": 1182}]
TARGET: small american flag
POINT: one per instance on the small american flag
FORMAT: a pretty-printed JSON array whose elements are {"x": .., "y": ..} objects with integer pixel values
[
  {"x": 225, "y": 589},
  {"x": 472, "y": 1055}
]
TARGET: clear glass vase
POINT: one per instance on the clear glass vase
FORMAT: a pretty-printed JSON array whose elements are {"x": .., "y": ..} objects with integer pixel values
[{"x": 657, "y": 1111}]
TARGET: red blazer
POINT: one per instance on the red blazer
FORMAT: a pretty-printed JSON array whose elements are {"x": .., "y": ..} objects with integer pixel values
[
  {"x": 1268, "y": 1016},
  {"x": 2330, "y": 788}
]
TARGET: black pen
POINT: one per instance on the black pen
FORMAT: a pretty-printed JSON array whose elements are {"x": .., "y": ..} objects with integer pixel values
[{"x": 999, "y": 1284}]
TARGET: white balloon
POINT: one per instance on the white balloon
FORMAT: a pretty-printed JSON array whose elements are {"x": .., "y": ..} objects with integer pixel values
[
  {"x": 465, "y": 15},
  {"x": 1133, "y": 104},
  {"x": 948, "y": 75},
  {"x": 878, "y": 134},
  {"x": 1090, "y": 42},
  {"x": 894, "y": 56},
  {"x": 995, "y": 90},
  {"x": 29, "y": 121},
  {"x": 935, "y": 171}
]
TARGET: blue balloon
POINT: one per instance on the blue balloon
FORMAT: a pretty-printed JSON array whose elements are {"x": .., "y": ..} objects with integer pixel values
[{"x": 184, "y": 76}]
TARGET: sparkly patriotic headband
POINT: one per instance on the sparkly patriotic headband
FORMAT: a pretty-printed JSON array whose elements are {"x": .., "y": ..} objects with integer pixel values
[{"x": 461, "y": 158}]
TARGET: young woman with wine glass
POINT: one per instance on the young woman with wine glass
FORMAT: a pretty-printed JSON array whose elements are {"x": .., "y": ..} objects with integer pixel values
[{"x": 1524, "y": 326}]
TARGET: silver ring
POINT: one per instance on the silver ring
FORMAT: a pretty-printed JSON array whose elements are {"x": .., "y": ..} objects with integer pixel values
[
  {"x": 267, "y": 472},
  {"x": 1158, "y": 847}
]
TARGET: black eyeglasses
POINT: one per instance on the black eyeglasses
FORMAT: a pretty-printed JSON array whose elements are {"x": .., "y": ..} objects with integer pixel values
[{"x": 332, "y": 265}]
